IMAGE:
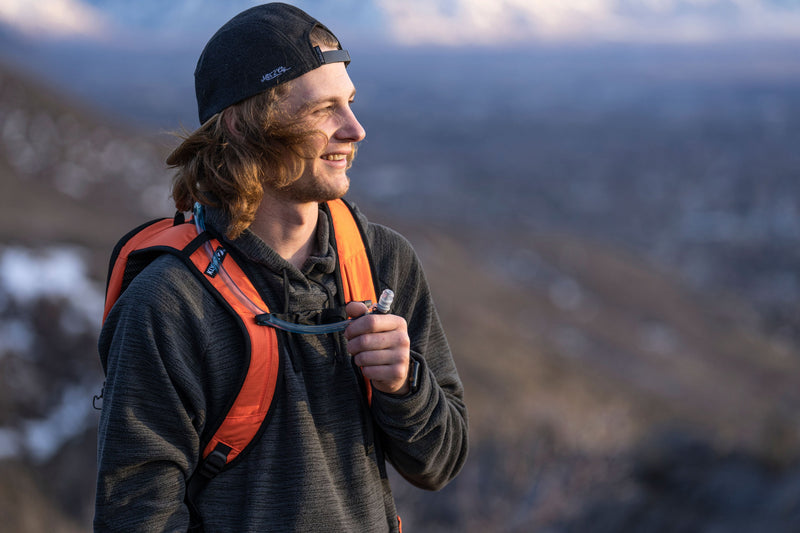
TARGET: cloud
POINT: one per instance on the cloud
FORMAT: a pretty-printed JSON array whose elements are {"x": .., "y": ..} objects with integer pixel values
[
  {"x": 53, "y": 18},
  {"x": 421, "y": 22},
  {"x": 484, "y": 22}
]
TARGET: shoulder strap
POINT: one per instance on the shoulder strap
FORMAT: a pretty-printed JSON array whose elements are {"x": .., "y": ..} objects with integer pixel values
[
  {"x": 356, "y": 267},
  {"x": 248, "y": 411},
  {"x": 358, "y": 279}
]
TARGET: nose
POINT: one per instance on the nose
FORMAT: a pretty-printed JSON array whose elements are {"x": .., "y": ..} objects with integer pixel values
[{"x": 350, "y": 129}]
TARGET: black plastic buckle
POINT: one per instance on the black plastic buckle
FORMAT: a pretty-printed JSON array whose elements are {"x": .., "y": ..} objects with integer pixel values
[{"x": 215, "y": 462}]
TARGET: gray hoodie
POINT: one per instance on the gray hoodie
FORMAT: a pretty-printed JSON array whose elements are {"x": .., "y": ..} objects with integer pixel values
[{"x": 174, "y": 361}]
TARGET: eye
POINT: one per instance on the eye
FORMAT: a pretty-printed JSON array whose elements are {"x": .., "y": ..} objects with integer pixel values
[{"x": 325, "y": 110}]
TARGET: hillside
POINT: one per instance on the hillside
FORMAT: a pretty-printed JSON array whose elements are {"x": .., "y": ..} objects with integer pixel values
[
  {"x": 602, "y": 390},
  {"x": 74, "y": 165},
  {"x": 596, "y": 366}
]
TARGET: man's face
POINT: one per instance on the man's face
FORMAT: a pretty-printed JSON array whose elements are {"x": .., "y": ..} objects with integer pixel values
[{"x": 321, "y": 100}]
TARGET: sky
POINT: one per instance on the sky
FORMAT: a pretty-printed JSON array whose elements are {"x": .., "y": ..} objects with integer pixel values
[{"x": 421, "y": 22}]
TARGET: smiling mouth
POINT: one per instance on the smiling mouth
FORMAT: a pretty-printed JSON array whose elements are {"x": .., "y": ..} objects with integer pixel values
[{"x": 334, "y": 157}]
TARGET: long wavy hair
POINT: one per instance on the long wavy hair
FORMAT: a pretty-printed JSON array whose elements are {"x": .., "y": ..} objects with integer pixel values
[{"x": 220, "y": 167}]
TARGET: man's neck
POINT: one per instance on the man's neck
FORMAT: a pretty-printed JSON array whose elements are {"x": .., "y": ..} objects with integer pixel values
[{"x": 288, "y": 228}]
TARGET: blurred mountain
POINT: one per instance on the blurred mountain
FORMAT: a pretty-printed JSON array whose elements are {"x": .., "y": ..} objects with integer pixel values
[
  {"x": 73, "y": 166},
  {"x": 685, "y": 156},
  {"x": 136, "y": 60},
  {"x": 607, "y": 393}
]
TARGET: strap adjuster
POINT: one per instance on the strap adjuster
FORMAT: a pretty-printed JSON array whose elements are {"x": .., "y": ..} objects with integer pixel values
[
  {"x": 216, "y": 262},
  {"x": 215, "y": 462}
]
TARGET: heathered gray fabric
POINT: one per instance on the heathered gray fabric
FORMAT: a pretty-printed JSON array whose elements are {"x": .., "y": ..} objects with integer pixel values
[{"x": 174, "y": 361}]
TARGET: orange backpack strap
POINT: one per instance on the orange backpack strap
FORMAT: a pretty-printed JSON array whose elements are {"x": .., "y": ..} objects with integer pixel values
[
  {"x": 249, "y": 409},
  {"x": 358, "y": 281},
  {"x": 248, "y": 412},
  {"x": 358, "y": 278}
]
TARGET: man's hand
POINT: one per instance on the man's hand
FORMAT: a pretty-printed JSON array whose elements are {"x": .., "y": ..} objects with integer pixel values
[{"x": 380, "y": 346}]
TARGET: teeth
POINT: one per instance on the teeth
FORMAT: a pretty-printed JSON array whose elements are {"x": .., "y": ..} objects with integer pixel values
[{"x": 334, "y": 157}]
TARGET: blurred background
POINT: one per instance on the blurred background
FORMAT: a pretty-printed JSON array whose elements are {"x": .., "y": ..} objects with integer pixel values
[{"x": 604, "y": 194}]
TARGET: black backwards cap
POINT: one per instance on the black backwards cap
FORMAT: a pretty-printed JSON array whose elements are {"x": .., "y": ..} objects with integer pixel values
[{"x": 257, "y": 49}]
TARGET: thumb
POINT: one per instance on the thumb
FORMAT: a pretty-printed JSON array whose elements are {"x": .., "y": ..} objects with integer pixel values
[{"x": 356, "y": 309}]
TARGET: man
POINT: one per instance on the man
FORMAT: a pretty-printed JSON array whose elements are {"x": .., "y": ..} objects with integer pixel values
[{"x": 277, "y": 136}]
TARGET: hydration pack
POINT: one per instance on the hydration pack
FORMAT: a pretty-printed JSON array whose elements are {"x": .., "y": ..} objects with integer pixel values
[{"x": 205, "y": 256}]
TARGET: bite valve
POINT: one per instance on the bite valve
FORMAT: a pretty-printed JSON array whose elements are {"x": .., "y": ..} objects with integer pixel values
[{"x": 385, "y": 302}]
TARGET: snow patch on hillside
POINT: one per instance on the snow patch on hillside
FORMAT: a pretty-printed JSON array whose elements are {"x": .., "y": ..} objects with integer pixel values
[{"x": 28, "y": 277}]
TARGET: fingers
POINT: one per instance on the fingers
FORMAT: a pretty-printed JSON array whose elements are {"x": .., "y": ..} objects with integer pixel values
[
  {"x": 390, "y": 378},
  {"x": 377, "y": 333},
  {"x": 386, "y": 369},
  {"x": 378, "y": 348},
  {"x": 356, "y": 309},
  {"x": 373, "y": 323},
  {"x": 380, "y": 345}
]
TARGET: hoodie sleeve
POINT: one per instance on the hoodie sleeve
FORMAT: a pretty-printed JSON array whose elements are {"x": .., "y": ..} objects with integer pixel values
[
  {"x": 426, "y": 430},
  {"x": 153, "y": 402}
]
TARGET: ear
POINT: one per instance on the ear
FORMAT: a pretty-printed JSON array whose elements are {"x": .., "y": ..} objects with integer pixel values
[{"x": 231, "y": 125}]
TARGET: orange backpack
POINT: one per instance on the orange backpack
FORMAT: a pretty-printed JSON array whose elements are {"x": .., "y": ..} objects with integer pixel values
[{"x": 206, "y": 258}]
